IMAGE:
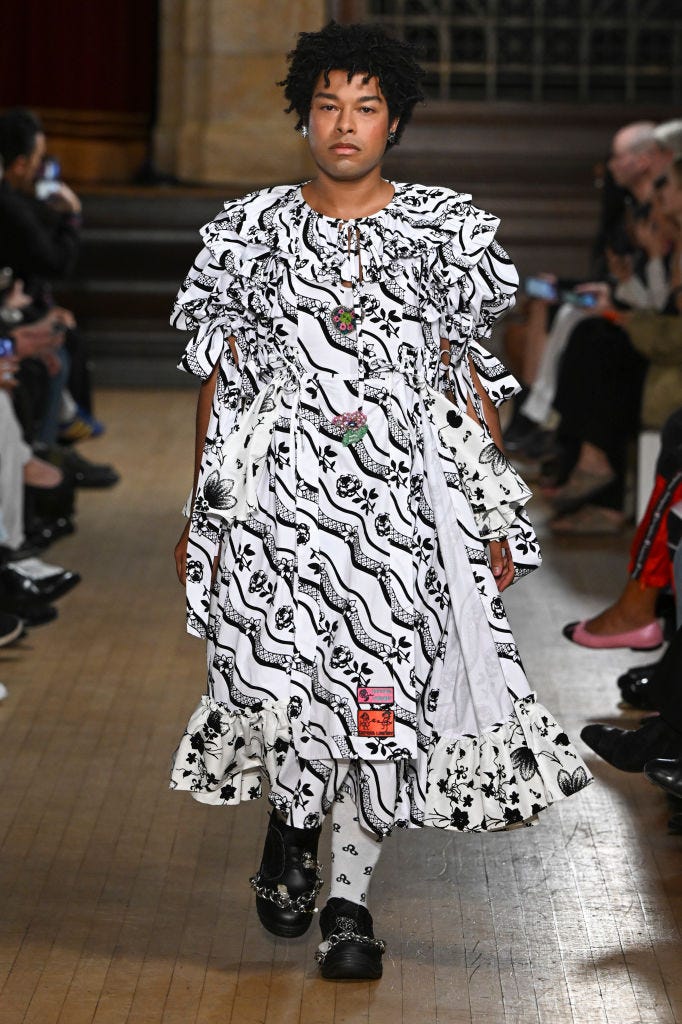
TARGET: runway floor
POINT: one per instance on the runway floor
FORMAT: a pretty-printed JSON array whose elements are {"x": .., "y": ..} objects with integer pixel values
[{"x": 124, "y": 903}]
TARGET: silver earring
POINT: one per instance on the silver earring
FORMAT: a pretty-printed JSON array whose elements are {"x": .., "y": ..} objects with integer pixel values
[
  {"x": 304, "y": 131},
  {"x": 391, "y": 138}
]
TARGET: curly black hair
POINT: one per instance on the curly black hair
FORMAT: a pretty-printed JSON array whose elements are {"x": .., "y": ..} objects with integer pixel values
[{"x": 356, "y": 49}]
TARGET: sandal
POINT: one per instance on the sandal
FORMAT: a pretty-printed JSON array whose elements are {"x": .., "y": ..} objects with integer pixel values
[
  {"x": 348, "y": 950},
  {"x": 288, "y": 880}
]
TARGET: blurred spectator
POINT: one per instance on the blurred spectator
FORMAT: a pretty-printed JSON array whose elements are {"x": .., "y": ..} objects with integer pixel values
[
  {"x": 39, "y": 239},
  {"x": 636, "y": 163},
  {"x": 618, "y": 370}
]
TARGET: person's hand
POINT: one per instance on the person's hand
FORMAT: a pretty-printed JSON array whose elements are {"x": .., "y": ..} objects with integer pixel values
[
  {"x": 620, "y": 267},
  {"x": 180, "y": 555},
  {"x": 63, "y": 316},
  {"x": 16, "y": 297},
  {"x": 32, "y": 340},
  {"x": 8, "y": 367},
  {"x": 65, "y": 200},
  {"x": 650, "y": 238},
  {"x": 501, "y": 563}
]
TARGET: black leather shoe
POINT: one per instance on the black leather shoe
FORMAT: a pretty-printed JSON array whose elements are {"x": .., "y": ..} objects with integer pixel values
[
  {"x": 78, "y": 471},
  {"x": 32, "y": 613},
  {"x": 348, "y": 949},
  {"x": 630, "y": 749},
  {"x": 16, "y": 584},
  {"x": 635, "y": 686},
  {"x": 43, "y": 532},
  {"x": 83, "y": 473},
  {"x": 288, "y": 879},
  {"x": 519, "y": 432},
  {"x": 666, "y": 773}
]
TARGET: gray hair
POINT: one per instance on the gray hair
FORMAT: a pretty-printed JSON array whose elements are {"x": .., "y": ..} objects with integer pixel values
[{"x": 669, "y": 136}]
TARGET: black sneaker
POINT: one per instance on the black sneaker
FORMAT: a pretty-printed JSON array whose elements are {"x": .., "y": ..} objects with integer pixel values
[{"x": 348, "y": 950}]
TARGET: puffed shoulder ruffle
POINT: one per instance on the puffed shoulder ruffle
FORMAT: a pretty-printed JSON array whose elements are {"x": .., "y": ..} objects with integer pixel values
[{"x": 437, "y": 224}]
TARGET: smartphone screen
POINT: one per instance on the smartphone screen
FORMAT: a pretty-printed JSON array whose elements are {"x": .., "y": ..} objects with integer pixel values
[
  {"x": 539, "y": 288},
  {"x": 584, "y": 300},
  {"x": 6, "y": 347}
]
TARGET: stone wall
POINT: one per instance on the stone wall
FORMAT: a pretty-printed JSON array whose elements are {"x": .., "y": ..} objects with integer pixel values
[{"x": 220, "y": 111}]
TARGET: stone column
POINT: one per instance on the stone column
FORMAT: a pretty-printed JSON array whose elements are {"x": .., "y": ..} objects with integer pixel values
[{"x": 221, "y": 117}]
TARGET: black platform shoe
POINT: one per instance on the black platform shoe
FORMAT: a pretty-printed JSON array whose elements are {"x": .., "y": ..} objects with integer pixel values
[
  {"x": 288, "y": 879},
  {"x": 348, "y": 950}
]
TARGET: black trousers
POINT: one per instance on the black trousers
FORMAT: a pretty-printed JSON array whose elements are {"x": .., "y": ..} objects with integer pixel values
[
  {"x": 80, "y": 383},
  {"x": 666, "y": 684},
  {"x": 599, "y": 396}
]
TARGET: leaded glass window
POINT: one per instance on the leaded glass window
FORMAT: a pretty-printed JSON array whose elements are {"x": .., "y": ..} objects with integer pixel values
[{"x": 604, "y": 51}]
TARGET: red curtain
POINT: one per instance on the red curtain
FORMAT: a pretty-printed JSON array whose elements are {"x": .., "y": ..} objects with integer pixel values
[{"x": 94, "y": 55}]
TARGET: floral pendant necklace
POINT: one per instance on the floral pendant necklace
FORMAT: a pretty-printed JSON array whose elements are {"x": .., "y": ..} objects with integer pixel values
[{"x": 353, "y": 423}]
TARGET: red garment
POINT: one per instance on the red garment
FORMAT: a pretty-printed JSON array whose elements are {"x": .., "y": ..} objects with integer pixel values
[{"x": 650, "y": 561}]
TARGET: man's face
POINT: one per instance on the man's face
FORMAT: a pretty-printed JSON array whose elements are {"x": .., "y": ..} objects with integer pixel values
[
  {"x": 348, "y": 126},
  {"x": 25, "y": 170},
  {"x": 629, "y": 161}
]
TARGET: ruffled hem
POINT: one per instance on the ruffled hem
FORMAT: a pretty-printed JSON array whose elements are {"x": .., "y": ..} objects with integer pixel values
[{"x": 497, "y": 780}]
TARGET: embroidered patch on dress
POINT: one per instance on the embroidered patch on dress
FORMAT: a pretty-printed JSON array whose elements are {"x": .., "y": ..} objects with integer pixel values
[
  {"x": 344, "y": 319},
  {"x": 376, "y": 723},
  {"x": 375, "y": 694}
]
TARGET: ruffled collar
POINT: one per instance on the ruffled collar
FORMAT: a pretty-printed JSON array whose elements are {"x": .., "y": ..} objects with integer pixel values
[{"x": 419, "y": 221}]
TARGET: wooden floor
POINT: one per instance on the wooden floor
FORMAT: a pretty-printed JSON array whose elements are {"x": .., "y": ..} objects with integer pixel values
[{"x": 124, "y": 903}]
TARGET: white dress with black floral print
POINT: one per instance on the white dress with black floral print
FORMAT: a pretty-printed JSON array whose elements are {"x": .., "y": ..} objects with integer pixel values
[{"x": 353, "y": 618}]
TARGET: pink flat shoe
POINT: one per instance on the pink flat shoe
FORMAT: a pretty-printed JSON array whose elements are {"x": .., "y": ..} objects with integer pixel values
[{"x": 646, "y": 638}]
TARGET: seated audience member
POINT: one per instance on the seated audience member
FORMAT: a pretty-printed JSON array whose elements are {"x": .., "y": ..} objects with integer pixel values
[
  {"x": 27, "y": 584},
  {"x": 618, "y": 371},
  {"x": 631, "y": 621},
  {"x": 637, "y": 161},
  {"x": 39, "y": 240}
]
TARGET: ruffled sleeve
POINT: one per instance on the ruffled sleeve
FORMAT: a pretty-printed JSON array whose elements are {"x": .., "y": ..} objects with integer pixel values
[
  {"x": 490, "y": 289},
  {"x": 471, "y": 281},
  {"x": 213, "y": 301}
]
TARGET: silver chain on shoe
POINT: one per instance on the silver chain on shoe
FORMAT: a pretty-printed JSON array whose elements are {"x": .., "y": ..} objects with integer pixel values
[
  {"x": 346, "y": 933},
  {"x": 281, "y": 897}
]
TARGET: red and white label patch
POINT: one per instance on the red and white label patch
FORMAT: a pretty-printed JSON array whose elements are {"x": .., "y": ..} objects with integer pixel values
[
  {"x": 375, "y": 694},
  {"x": 376, "y": 723}
]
